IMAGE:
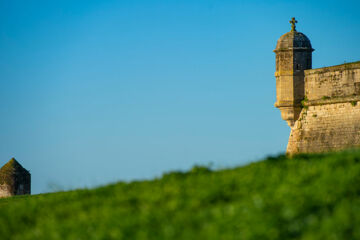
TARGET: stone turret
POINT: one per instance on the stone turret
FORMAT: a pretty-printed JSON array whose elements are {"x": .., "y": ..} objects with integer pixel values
[
  {"x": 14, "y": 179},
  {"x": 293, "y": 56}
]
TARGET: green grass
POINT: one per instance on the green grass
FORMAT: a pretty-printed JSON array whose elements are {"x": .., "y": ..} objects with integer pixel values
[{"x": 307, "y": 197}]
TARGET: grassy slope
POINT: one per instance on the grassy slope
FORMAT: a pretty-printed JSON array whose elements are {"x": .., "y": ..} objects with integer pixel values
[{"x": 308, "y": 197}]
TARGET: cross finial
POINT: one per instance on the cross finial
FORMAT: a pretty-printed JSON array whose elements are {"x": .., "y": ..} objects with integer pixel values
[{"x": 293, "y": 26}]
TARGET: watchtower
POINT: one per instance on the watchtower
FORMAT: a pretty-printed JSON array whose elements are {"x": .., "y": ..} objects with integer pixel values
[
  {"x": 293, "y": 56},
  {"x": 14, "y": 179}
]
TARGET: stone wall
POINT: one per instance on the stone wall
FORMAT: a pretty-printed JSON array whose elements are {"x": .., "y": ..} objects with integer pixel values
[
  {"x": 330, "y": 119},
  {"x": 332, "y": 82},
  {"x": 325, "y": 128}
]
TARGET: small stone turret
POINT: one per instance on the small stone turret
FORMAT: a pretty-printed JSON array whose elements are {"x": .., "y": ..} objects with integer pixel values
[
  {"x": 293, "y": 56},
  {"x": 14, "y": 179}
]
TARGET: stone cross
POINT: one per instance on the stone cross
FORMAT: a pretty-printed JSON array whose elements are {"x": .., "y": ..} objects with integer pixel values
[{"x": 293, "y": 26}]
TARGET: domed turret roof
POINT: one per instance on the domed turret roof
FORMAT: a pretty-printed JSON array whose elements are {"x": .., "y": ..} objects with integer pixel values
[
  {"x": 11, "y": 170},
  {"x": 293, "y": 40}
]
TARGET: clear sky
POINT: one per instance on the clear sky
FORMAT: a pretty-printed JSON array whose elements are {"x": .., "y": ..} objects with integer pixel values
[{"x": 98, "y": 91}]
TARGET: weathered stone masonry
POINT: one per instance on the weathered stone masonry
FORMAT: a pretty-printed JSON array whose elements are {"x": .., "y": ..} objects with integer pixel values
[
  {"x": 330, "y": 118},
  {"x": 322, "y": 107}
]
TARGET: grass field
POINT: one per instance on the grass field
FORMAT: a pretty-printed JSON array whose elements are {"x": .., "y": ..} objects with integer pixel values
[{"x": 307, "y": 197}]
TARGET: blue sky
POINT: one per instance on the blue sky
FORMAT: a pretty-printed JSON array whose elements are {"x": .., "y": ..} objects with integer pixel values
[{"x": 93, "y": 92}]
